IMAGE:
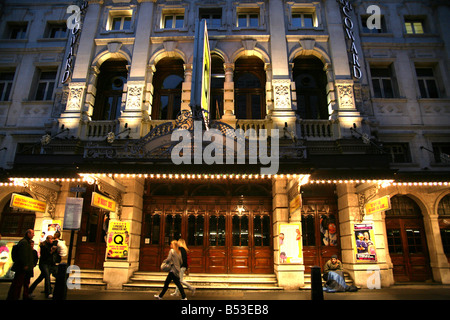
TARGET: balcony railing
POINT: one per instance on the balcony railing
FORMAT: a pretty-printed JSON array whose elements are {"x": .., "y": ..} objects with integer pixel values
[{"x": 317, "y": 129}]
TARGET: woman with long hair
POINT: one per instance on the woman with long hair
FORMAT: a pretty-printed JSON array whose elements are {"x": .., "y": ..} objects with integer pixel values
[
  {"x": 174, "y": 258},
  {"x": 184, "y": 255}
]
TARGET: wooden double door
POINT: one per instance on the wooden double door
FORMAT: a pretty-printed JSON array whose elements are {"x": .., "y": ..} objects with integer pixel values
[
  {"x": 320, "y": 232},
  {"x": 223, "y": 234},
  {"x": 91, "y": 244},
  {"x": 408, "y": 249}
]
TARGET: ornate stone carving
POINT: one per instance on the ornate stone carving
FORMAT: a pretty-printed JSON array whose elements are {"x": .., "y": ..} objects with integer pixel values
[
  {"x": 282, "y": 93},
  {"x": 134, "y": 96},
  {"x": 346, "y": 97},
  {"x": 44, "y": 193},
  {"x": 74, "y": 100}
]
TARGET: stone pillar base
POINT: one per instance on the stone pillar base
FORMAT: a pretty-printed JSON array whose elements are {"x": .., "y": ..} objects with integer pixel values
[
  {"x": 290, "y": 276},
  {"x": 116, "y": 273}
]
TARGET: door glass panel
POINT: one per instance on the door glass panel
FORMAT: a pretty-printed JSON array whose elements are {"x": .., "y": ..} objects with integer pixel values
[
  {"x": 328, "y": 230},
  {"x": 240, "y": 230},
  {"x": 195, "y": 230},
  {"x": 308, "y": 230},
  {"x": 92, "y": 227},
  {"x": 217, "y": 230},
  {"x": 394, "y": 241},
  {"x": 173, "y": 228},
  {"x": 152, "y": 229},
  {"x": 257, "y": 234},
  {"x": 414, "y": 239}
]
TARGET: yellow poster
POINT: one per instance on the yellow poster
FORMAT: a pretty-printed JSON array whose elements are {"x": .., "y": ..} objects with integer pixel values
[
  {"x": 118, "y": 240},
  {"x": 290, "y": 243},
  {"x": 27, "y": 203},
  {"x": 378, "y": 205},
  {"x": 103, "y": 202}
]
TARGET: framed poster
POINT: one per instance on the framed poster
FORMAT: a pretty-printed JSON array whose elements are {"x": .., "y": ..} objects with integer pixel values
[
  {"x": 365, "y": 248},
  {"x": 290, "y": 243},
  {"x": 118, "y": 241},
  {"x": 5, "y": 259}
]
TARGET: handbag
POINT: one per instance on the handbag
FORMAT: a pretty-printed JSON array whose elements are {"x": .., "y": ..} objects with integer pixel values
[{"x": 166, "y": 266}]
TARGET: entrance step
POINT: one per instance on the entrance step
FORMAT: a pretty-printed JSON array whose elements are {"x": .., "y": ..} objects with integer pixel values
[
  {"x": 205, "y": 281},
  {"x": 307, "y": 285},
  {"x": 88, "y": 279}
]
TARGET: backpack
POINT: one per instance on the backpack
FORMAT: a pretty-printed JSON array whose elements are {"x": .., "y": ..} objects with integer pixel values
[{"x": 15, "y": 253}]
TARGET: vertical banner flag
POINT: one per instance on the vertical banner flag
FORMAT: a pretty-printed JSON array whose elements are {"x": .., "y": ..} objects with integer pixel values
[
  {"x": 201, "y": 75},
  {"x": 118, "y": 240}
]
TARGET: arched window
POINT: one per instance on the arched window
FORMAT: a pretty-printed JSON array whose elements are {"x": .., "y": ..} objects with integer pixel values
[
  {"x": 249, "y": 94},
  {"x": 15, "y": 222},
  {"x": 444, "y": 223},
  {"x": 169, "y": 77},
  {"x": 310, "y": 84},
  {"x": 217, "y": 85},
  {"x": 110, "y": 86}
]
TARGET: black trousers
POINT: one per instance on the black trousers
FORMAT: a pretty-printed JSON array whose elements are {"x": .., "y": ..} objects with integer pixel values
[{"x": 175, "y": 279}]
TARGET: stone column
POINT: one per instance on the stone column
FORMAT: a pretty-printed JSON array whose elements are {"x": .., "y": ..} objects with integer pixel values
[
  {"x": 228, "y": 95},
  {"x": 290, "y": 276},
  {"x": 349, "y": 215},
  {"x": 135, "y": 111},
  {"x": 186, "y": 88},
  {"x": 438, "y": 260},
  {"x": 116, "y": 273}
]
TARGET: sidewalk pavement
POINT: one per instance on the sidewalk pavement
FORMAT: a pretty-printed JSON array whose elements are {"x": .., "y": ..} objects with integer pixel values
[{"x": 397, "y": 292}]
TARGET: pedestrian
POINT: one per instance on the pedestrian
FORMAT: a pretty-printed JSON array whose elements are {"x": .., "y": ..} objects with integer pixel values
[
  {"x": 174, "y": 258},
  {"x": 332, "y": 265},
  {"x": 184, "y": 267},
  {"x": 23, "y": 268},
  {"x": 46, "y": 264},
  {"x": 60, "y": 245}
]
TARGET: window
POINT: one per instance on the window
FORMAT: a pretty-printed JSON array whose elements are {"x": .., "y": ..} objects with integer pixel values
[
  {"x": 213, "y": 17},
  {"x": 173, "y": 21},
  {"x": 310, "y": 85},
  {"x": 303, "y": 20},
  {"x": 441, "y": 152},
  {"x": 6, "y": 81},
  {"x": 404, "y": 206},
  {"x": 427, "y": 83},
  {"x": 217, "y": 87},
  {"x": 444, "y": 223},
  {"x": 57, "y": 30},
  {"x": 110, "y": 86},
  {"x": 17, "y": 30},
  {"x": 399, "y": 152},
  {"x": 248, "y": 20},
  {"x": 249, "y": 80},
  {"x": 372, "y": 29},
  {"x": 45, "y": 85},
  {"x": 414, "y": 26},
  {"x": 168, "y": 79},
  {"x": 382, "y": 82},
  {"x": 121, "y": 23}
]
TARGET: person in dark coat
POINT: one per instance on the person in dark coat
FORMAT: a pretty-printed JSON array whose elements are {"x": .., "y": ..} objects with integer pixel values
[
  {"x": 23, "y": 268},
  {"x": 46, "y": 263}
]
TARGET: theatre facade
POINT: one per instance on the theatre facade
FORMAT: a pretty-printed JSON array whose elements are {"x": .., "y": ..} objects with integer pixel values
[{"x": 325, "y": 133}]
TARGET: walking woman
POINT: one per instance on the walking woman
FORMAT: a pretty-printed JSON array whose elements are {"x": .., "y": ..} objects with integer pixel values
[
  {"x": 175, "y": 259},
  {"x": 184, "y": 255}
]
